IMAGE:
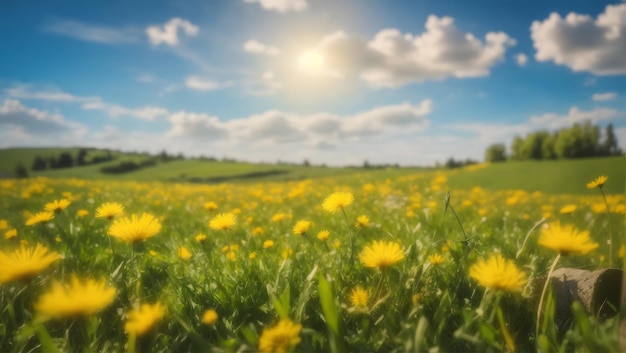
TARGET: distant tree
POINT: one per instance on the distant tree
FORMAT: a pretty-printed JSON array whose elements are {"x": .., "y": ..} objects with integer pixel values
[
  {"x": 495, "y": 153},
  {"x": 80, "y": 159},
  {"x": 366, "y": 164},
  {"x": 547, "y": 146},
  {"x": 610, "y": 142},
  {"x": 531, "y": 148},
  {"x": 39, "y": 164},
  {"x": 516, "y": 148},
  {"x": 20, "y": 171},
  {"x": 306, "y": 163},
  {"x": 65, "y": 160}
]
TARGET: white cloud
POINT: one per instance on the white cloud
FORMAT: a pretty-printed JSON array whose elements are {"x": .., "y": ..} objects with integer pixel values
[
  {"x": 282, "y": 6},
  {"x": 168, "y": 34},
  {"x": 93, "y": 33},
  {"x": 393, "y": 59},
  {"x": 600, "y": 97},
  {"x": 147, "y": 113},
  {"x": 24, "y": 92},
  {"x": 276, "y": 127},
  {"x": 575, "y": 115},
  {"x": 521, "y": 59},
  {"x": 582, "y": 43},
  {"x": 256, "y": 47},
  {"x": 30, "y": 122},
  {"x": 268, "y": 85},
  {"x": 199, "y": 84}
]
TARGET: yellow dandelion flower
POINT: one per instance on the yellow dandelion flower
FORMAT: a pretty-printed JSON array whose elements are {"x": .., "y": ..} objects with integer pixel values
[
  {"x": 435, "y": 259},
  {"x": 200, "y": 238},
  {"x": 415, "y": 299},
  {"x": 268, "y": 244},
  {"x": 280, "y": 338},
  {"x": 109, "y": 210},
  {"x": 258, "y": 231},
  {"x": 209, "y": 317},
  {"x": 498, "y": 273},
  {"x": 287, "y": 252},
  {"x": 301, "y": 227},
  {"x": 359, "y": 297},
  {"x": 40, "y": 217},
  {"x": 568, "y": 209},
  {"x": 231, "y": 247},
  {"x": 82, "y": 213},
  {"x": 152, "y": 253},
  {"x": 81, "y": 297},
  {"x": 252, "y": 255},
  {"x": 4, "y": 224},
  {"x": 337, "y": 243},
  {"x": 232, "y": 256},
  {"x": 210, "y": 206},
  {"x": 362, "y": 222},
  {"x": 183, "y": 253},
  {"x": 337, "y": 201},
  {"x": 566, "y": 239},
  {"x": 381, "y": 255},
  {"x": 143, "y": 319},
  {"x": 135, "y": 229},
  {"x": 11, "y": 233},
  {"x": 597, "y": 182},
  {"x": 278, "y": 217},
  {"x": 323, "y": 235},
  {"x": 25, "y": 263},
  {"x": 57, "y": 205},
  {"x": 223, "y": 221},
  {"x": 622, "y": 251}
]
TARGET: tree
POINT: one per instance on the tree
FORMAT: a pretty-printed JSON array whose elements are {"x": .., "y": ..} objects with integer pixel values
[
  {"x": 65, "y": 160},
  {"x": 610, "y": 142},
  {"x": 39, "y": 164},
  {"x": 20, "y": 171},
  {"x": 80, "y": 160},
  {"x": 495, "y": 153},
  {"x": 516, "y": 148},
  {"x": 547, "y": 146}
]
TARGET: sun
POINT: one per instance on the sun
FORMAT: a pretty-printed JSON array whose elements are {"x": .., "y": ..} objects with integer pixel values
[{"x": 311, "y": 61}]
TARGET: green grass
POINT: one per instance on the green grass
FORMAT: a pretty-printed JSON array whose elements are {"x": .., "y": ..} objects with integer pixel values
[{"x": 558, "y": 177}]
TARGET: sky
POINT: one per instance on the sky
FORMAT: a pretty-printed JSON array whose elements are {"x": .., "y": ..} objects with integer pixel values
[{"x": 336, "y": 82}]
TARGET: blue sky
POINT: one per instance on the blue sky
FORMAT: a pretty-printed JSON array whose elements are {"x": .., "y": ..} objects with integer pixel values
[{"x": 335, "y": 82}]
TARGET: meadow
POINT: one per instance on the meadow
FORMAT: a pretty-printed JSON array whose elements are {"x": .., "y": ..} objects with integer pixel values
[{"x": 381, "y": 261}]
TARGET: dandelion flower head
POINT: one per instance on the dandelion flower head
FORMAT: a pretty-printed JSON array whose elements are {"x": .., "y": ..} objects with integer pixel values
[
  {"x": 78, "y": 298},
  {"x": 359, "y": 297},
  {"x": 223, "y": 221},
  {"x": 57, "y": 205},
  {"x": 381, "y": 254},
  {"x": 135, "y": 229},
  {"x": 40, "y": 217},
  {"x": 301, "y": 227},
  {"x": 362, "y": 222},
  {"x": 435, "y": 259},
  {"x": 498, "y": 273},
  {"x": 568, "y": 209},
  {"x": 183, "y": 253},
  {"x": 566, "y": 239},
  {"x": 597, "y": 182},
  {"x": 323, "y": 235},
  {"x": 209, "y": 317},
  {"x": 25, "y": 262},
  {"x": 337, "y": 201},
  {"x": 280, "y": 338},
  {"x": 141, "y": 320},
  {"x": 109, "y": 210}
]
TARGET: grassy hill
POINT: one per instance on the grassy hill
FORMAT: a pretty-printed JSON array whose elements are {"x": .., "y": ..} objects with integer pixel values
[{"x": 562, "y": 176}]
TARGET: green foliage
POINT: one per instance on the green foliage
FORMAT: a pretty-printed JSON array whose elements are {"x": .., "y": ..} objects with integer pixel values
[{"x": 495, "y": 153}]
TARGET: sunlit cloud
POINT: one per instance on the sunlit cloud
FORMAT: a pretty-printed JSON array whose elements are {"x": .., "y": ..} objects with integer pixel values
[
  {"x": 602, "y": 97},
  {"x": 199, "y": 84},
  {"x": 521, "y": 59},
  {"x": 255, "y": 47},
  {"x": 282, "y": 6},
  {"x": 92, "y": 32},
  {"x": 168, "y": 33},
  {"x": 583, "y": 43}
]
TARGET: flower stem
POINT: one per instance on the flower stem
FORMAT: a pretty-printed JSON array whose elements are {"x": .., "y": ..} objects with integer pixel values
[
  {"x": 543, "y": 294},
  {"x": 345, "y": 216},
  {"x": 608, "y": 216}
]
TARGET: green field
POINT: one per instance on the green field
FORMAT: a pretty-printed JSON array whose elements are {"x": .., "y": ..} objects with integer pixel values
[{"x": 557, "y": 177}]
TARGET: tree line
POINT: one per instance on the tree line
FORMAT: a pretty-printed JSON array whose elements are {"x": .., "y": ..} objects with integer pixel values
[{"x": 579, "y": 141}]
